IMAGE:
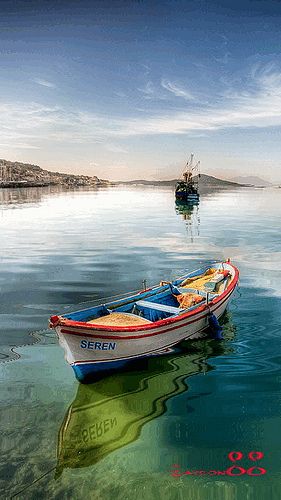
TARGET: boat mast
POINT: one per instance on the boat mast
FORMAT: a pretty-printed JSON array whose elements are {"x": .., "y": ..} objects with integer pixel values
[
  {"x": 187, "y": 175},
  {"x": 196, "y": 173}
]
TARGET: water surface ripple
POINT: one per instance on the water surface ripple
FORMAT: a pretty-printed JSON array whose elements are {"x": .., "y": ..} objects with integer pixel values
[{"x": 118, "y": 439}]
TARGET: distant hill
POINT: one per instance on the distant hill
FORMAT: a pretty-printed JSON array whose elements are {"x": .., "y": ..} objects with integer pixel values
[
  {"x": 26, "y": 174},
  {"x": 205, "y": 181},
  {"x": 209, "y": 181},
  {"x": 251, "y": 180},
  {"x": 14, "y": 174}
]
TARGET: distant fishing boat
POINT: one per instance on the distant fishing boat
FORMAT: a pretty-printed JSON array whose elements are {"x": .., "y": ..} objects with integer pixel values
[
  {"x": 145, "y": 323},
  {"x": 187, "y": 189}
]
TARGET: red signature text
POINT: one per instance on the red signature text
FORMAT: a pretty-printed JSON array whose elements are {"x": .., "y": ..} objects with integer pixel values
[{"x": 233, "y": 470}]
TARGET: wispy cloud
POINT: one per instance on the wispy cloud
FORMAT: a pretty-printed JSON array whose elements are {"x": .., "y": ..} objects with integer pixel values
[
  {"x": 116, "y": 148},
  {"x": 149, "y": 91},
  {"x": 224, "y": 59},
  {"x": 146, "y": 69},
  {"x": 19, "y": 145},
  {"x": 256, "y": 104},
  {"x": 44, "y": 83},
  {"x": 178, "y": 91},
  {"x": 152, "y": 91}
]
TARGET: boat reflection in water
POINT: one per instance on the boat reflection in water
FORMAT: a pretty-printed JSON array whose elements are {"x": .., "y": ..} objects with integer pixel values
[
  {"x": 110, "y": 413},
  {"x": 190, "y": 214}
]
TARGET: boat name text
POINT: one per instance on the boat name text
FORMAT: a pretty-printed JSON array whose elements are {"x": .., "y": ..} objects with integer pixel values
[
  {"x": 98, "y": 429},
  {"x": 102, "y": 346}
]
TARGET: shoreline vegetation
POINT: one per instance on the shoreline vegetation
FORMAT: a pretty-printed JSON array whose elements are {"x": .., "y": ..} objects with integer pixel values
[{"x": 17, "y": 174}]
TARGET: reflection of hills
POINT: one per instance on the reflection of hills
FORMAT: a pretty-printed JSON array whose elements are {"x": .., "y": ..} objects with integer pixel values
[
  {"x": 206, "y": 182},
  {"x": 24, "y": 195},
  {"x": 110, "y": 414},
  {"x": 20, "y": 196}
]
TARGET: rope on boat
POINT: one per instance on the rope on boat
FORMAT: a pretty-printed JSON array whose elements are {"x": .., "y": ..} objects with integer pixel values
[
  {"x": 100, "y": 300},
  {"x": 36, "y": 333},
  {"x": 33, "y": 482}
]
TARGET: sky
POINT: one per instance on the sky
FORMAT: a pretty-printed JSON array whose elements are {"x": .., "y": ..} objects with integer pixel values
[{"x": 128, "y": 89}]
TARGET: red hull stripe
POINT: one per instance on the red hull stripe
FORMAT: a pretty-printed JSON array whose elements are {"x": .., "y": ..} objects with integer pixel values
[
  {"x": 136, "y": 337},
  {"x": 160, "y": 323},
  {"x": 146, "y": 353}
]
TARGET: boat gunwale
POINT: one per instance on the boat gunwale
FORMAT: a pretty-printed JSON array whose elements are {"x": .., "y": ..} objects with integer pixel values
[
  {"x": 158, "y": 331},
  {"x": 91, "y": 328}
]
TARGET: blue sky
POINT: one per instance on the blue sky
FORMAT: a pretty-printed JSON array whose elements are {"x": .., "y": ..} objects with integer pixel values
[{"x": 128, "y": 90}]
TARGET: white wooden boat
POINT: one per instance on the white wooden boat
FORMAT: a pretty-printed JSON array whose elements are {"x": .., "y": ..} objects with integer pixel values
[{"x": 146, "y": 323}]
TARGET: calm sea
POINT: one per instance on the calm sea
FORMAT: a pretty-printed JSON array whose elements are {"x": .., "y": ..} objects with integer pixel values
[{"x": 120, "y": 438}]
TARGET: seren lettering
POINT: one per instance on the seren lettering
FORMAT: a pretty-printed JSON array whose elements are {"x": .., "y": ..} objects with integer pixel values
[
  {"x": 98, "y": 429},
  {"x": 98, "y": 346}
]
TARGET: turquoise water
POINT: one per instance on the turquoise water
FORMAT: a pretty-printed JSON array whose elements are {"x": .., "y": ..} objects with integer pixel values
[{"x": 119, "y": 438}]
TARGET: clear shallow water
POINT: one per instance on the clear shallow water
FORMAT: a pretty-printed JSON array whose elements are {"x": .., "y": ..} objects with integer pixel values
[{"x": 119, "y": 438}]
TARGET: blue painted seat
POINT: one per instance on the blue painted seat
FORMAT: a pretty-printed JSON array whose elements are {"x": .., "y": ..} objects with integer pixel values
[{"x": 158, "y": 307}]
